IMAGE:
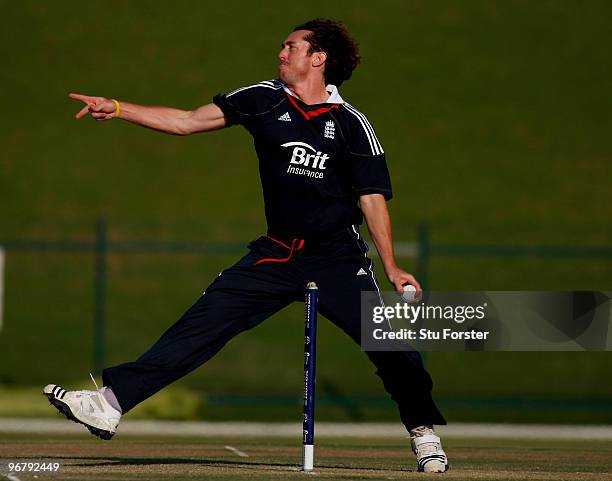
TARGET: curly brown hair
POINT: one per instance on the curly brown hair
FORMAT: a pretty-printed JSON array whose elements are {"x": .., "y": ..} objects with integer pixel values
[{"x": 333, "y": 38}]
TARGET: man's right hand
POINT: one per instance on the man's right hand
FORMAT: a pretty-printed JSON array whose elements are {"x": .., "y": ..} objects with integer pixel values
[{"x": 100, "y": 108}]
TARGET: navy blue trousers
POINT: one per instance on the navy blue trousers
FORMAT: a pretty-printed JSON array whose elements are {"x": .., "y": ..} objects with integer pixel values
[{"x": 247, "y": 293}]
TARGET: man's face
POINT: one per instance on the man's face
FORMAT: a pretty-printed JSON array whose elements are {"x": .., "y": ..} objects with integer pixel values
[{"x": 295, "y": 61}]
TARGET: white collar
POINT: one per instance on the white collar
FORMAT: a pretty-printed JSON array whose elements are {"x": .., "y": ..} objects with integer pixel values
[
  {"x": 332, "y": 90},
  {"x": 334, "y": 95}
]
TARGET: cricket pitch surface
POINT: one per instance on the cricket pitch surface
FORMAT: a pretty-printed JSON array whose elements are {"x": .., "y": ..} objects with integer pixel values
[{"x": 231, "y": 457}]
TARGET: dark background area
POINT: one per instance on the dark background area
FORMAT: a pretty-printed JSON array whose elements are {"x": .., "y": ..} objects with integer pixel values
[{"x": 496, "y": 120}]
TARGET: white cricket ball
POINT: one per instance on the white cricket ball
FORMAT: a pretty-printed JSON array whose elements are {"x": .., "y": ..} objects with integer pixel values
[{"x": 409, "y": 294}]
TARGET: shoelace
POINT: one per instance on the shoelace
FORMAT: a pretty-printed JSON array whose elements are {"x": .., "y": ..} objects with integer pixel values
[
  {"x": 422, "y": 431},
  {"x": 292, "y": 249},
  {"x": 86, "y": 392},
  {"x": 94, "y": 381},
  {"x": 428, "y": 448}
]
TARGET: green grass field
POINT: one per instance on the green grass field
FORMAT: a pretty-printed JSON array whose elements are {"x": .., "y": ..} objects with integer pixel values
[
  {"x": 271, "y": 458},
  {"x": 495, "y": 117}
]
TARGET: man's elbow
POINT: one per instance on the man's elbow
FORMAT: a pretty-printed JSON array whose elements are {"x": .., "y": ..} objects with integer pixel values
[
  {"x": 184, "y": 124},
  {"x": 182, "y": 128}
]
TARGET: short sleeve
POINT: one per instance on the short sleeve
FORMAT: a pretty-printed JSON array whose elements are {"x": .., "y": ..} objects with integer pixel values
[
  {"x": 246, "y": 102},
  {"x": 366, "y": 157}
]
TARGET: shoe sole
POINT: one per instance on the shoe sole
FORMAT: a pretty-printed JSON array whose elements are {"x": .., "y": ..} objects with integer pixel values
[
  {"x": 65, "y": 410},
  {"x": 446, "y": 467}
]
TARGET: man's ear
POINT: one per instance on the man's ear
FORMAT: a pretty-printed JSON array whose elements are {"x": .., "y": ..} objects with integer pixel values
[{"x": 318, "y": 59}]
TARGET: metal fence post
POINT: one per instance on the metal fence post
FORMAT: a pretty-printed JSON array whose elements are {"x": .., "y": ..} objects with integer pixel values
[
  {"x": 423, "y": 255},
  {"x": 1, "y": 287},
  {"x": 101, "y": 252}
]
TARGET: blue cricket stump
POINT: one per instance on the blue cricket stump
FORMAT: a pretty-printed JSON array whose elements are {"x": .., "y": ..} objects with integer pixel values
[{"x": 310, "y": 362}]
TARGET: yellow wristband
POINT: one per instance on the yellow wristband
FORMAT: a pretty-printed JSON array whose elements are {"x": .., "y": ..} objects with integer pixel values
[{"x": 117, "y": 108}]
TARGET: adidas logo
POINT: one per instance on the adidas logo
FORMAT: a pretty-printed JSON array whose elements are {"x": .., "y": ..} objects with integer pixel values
[
  {"x": 285, "y": 117},
  {"x": 362, "y": 272}
]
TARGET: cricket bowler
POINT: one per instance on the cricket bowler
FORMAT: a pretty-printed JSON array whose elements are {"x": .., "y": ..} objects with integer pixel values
[{"x": 323, "y": 171}]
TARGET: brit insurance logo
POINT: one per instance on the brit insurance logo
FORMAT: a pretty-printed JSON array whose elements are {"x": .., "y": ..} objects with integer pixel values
[{"x": 306, "y": 160}]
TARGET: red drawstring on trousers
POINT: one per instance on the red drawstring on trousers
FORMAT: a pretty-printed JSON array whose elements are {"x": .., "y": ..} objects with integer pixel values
[{"x": 292, "y": 248}]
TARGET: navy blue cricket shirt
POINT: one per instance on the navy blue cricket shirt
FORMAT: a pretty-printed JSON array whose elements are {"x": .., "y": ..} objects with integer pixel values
[{"x": 314, "y": 160}]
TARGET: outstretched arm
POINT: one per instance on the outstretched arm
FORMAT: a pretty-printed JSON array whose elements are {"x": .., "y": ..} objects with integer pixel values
[
  {"x": 374, "y": 208},
  {"x": 164, "y": 119}
]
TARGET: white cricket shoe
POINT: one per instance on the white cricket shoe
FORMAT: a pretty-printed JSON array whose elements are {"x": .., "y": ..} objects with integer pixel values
[
  {"x": 89, "y": 408},
  {"x": 427, "y": 446}
]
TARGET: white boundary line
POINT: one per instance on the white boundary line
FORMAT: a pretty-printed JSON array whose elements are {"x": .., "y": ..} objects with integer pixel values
[
  {"x": 324, "y": 429},
  {"x": 11, "y": 477},
  {"x": 237, "y": 451}
]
